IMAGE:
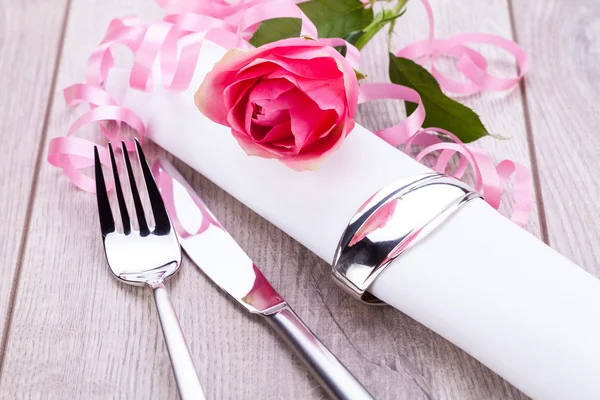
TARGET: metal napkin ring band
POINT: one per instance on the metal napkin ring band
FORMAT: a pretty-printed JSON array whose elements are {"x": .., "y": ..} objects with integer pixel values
[{"x": 392, "y": 221}]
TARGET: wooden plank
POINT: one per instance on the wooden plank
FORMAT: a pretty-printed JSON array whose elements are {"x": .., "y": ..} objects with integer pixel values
[
  {"x": 562, "y": 97},
  {"x": 29, "y": 37},
  {"x": 72, "y": 319}
]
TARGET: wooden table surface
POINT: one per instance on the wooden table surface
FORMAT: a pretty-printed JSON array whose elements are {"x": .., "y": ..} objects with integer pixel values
[{"x": 70, "y": 330}]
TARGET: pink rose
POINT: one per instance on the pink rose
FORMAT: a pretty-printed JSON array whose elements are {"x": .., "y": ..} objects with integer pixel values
[{"x": 293, "y": 100}]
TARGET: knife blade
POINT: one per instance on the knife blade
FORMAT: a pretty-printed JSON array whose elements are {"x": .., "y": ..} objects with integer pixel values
[
  {"x": 219, "y": 256},
  {"x": 211, "y": 247}
]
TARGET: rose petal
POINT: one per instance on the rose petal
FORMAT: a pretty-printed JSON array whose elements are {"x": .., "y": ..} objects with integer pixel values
[
  {"x": 308, "y": 129},
  {"x": 350, "y": 85},
  {"x": 287, "y": 143},
  {"x": 239, "y": 116},
  {"x": 327, "y": 142},
  {"x": 261, "y": 133},
  {"x": 264, "y": 90},
  {"x": 279, "y": 132},
  {"x": 297, "y": 42},
  {"x": 257, "y": 132},
  {"x": 271, "y": 118},
  {"x": 318, "y": 68},
  {"x": 252, "y": 148},
  {"x": 309, "y": 121},
  {"x": 350, "y": 80},
  {"x": 269, "y": 89},
  {"x": 296, "y": 53},
  {"x": 292, "y": 98},
  {"x": 236, "y": 59},
  {"x": 236, "y": 117},
  {"x": 312, "y": 157},
  {"x": 328, "y": 94},
  {"x": 209, "y": 96},
  {"x": 234, "y": 92},
  {"x": 256, "y": 69}
]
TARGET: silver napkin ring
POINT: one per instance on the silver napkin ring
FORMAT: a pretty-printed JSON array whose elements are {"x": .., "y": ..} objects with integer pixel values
[{"x": 392, "y": 221}]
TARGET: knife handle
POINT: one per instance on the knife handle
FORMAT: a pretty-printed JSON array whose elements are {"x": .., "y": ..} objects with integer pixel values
[{"x": 337, "y": 381}]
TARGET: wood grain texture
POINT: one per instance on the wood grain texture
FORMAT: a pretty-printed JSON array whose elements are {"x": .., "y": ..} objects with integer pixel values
[
  {"x": 29, "y": 38},
  {"x": 563, "y": 89},
  {"x": 78, "y": 333}
]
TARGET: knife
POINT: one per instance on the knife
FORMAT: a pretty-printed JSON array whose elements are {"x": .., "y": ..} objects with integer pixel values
[{"x": 218, "y": 255}]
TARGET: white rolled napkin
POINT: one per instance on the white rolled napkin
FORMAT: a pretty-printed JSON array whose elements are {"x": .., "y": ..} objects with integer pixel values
[{"x": 483, "y": 283}]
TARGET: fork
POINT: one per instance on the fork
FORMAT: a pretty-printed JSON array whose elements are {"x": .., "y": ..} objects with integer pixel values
[{"x": 147, "y": 258}]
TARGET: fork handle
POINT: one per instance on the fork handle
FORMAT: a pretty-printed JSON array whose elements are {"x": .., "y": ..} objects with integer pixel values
[{"x": 186, "y": 377}]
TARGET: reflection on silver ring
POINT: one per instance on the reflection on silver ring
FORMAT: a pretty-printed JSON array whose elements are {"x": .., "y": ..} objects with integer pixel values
[{"x": 392, "y": 221}]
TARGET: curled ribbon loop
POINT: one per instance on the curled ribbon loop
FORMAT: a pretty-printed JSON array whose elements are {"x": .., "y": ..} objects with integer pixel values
[
  {"x": 400, "y": 133},
  {"x": 175, "y": 42},
  {"x": 165, "y": 183},
  {"x": 127, "y": 31},
  {"x": 73, "y": 154},
  {"x": 188, "y": 23},
  {"x": 471, "y": 63},
  {"x": 490, "y": 180}
]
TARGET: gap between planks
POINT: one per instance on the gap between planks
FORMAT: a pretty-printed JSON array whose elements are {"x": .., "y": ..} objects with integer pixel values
[
  {"x": 537, "y": 185},
  {"x": 34, "y": 184}
]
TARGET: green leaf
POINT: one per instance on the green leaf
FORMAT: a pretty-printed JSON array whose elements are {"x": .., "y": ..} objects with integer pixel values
[
  {"x": 333, "y": 18},
  {"x": 337, "y": 18},
  {"x": 441, "y": 111},
  {"x": 353, "y": 37},
  {"x": 275, "y": 29}
]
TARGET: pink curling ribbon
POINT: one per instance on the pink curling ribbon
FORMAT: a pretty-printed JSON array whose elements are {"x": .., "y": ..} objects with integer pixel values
[
  {"x": 74, "y": 154},
  {"x": 165, "y": 184},
  {"x": 175, "y": 43},
  {"x": 471, "y": 63},
  {"x": 490, "y": 180}
]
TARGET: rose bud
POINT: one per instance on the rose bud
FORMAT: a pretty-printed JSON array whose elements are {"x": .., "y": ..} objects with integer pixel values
[{"x": 293, "y": 100}]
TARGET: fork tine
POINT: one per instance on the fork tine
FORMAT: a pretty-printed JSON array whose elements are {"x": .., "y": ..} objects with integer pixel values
[
  {"x": 119, "y": 189},
  {"x": 139, "y": 209},
  {"x": 107, "y": 223},
  {"x": 161, "y": 218}
]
